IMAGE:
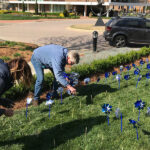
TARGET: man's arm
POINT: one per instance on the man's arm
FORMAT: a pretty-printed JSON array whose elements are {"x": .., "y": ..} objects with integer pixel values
[{"x": 58, "y": 72}]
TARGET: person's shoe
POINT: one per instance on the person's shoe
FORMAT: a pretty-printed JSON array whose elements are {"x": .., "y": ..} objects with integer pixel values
[
  {"x": 8, "y": 112},
  {"x": 49, "y": 102},
  {"x": 35, "y": 102}
]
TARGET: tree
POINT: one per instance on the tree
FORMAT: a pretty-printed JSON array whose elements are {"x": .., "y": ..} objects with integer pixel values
[{"x": 36, "y": 8}]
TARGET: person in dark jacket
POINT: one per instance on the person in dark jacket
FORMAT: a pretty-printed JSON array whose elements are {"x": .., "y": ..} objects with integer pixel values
[
  {"x": 53, "y": 57},
  {"x": 16, "y": 70}
]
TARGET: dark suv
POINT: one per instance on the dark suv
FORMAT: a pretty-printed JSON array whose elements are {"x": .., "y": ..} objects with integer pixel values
[{"x": 120, "y": 31}]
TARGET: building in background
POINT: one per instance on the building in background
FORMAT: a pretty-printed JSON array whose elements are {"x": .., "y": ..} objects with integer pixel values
[{"x": 82, "y": 7}]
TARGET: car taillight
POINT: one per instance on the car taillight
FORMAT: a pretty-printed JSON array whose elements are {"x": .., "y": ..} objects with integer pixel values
[{"x": 108, "y": 28}]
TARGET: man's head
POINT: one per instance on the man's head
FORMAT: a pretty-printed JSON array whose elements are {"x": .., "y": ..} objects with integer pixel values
[{"x": 73, "y": 58}]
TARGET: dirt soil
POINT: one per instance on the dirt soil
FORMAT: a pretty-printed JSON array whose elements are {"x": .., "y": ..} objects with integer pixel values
[
  {"x": 17, "y": 51},
  {"x": 6, "y": 51}
]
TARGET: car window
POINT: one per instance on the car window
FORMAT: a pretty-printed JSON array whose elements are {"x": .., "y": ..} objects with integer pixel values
[
  {"x": 135, "y": 24},
  {"x": 147, "y": 24},
  {"x": 121, "y": 23}
]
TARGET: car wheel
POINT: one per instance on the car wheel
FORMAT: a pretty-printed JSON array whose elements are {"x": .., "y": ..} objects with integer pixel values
[{"x": 120, "y": 41}]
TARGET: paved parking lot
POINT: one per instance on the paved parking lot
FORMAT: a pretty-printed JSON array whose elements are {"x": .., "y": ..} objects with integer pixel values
[{"x": 56, "y": 31}]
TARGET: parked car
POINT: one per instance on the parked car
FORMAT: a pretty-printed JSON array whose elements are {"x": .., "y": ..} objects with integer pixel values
[{"x": 120, "y": 31}]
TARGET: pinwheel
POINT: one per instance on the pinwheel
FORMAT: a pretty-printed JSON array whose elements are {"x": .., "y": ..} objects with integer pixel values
[
  {"x": 86, "y": 80},
  {"x": 121, "y": 69},
  {"x": 148, "y": 67},
  {"x": 107, "y": 74},
  {"x": 148, "y": 111},
  {"x": 29, "y": 100},
  {"x": 106, "y": 108},
  {"x": 118, "y": 77},
  {"x": 136, "y": 72},
  {"x": 119, "y": 115},
  {"x": 147, "y": 77},
  {"x": 134, "y": 65},
  {"x": 49, "y": 101},
  {"x": 98, "y": 79},
  {"x": 140, "y": 105},
  {"x": 139, "y": 78},
  {"x": 114, "y": 73},
  {"x": 135, "y": 123},
  {"x": 147, "y": 60},
  {"x": 128, "y": 68},
  {"x": 60, "y": 91},
  {"x": 126, "y": 77},
  {"x": 142, "y": 63}
]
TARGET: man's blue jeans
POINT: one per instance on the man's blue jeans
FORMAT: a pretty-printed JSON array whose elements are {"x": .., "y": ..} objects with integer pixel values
[{"x": 40, "y": 77}]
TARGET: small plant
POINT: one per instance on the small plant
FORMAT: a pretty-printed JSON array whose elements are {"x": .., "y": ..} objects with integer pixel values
[
  {"x": 22, "y": 49},
  {"x": 5, "y": 58},
  {"x": 17, "y": 54}
]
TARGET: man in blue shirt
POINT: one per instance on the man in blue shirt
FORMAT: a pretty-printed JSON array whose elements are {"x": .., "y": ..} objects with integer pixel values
[{"x": 53, "y": 57}]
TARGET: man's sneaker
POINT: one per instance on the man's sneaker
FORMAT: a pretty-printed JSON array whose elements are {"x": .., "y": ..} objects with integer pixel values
[
  {"x": 35, "y": 102},
  {"x": 49, "y": 102}
]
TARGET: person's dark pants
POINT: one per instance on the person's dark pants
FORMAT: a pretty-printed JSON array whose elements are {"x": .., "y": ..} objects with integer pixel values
[{"x": 40, "y": 77}]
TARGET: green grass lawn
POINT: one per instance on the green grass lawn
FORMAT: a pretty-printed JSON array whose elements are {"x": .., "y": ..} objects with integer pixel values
[{"x": 79, "y": 124}]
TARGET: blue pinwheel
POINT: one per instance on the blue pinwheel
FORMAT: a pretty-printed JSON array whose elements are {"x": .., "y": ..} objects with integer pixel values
[
  {"x": 128, "y": 68},
  {"x": 29, "y": 100},
  {"x": 98, "y": 79},
  {"x": 114, "y": 73},
  {"x": 134, "y": 123},
  {"x": 106, "y": 108},
  {"x": 147, "y": 60},
  {"x": 60, "y": 91},
  {"x": 147, "y": 77},
  {"x": 148, "y": 67},
  {"x": 138, "y": 80},
  {"x": 119, "y": 115},
  {"x": 142, "y": 63},
  {"x": 136, "y": 72},
  {"x": 148, "y": 111},
  {"x": 87, "y": 80},
  {"x": 126, "y": 77},
  {"x": 49, "y": 101},
  {"x": 118, "y": 77},
  {"x": 121, "y": 69},
  {"x": 139, "y": 105},
  {"x": 107, "y": 74},
  {"x": 134, "y": 65}
]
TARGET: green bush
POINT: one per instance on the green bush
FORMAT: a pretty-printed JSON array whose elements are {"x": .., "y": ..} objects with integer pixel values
[
  {"x": 17, "y": 55},
  {"x": 66, "y": 13}
]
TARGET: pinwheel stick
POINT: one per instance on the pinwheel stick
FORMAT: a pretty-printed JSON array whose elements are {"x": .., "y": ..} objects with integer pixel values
[
  {"x": 137, "y": 84},
  {"x": 121, "y": 122},
  {"x": 108, "y": 119},
  {"x": 26, "y": 110},
  {"x": 139, "y": 116},
  {"x": 49, "y": 110}
]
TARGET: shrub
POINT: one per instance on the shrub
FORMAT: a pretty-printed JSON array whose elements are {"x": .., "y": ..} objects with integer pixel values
[
  {"x": 61, "y": 15},
  {"x": 66, "y": 13},
  {"x": 5, "y": 58},
  {"x": 17, "y": 55}
]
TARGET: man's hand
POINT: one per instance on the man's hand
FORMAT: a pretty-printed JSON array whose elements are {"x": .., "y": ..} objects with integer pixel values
[{"x": 72, "y": 90}]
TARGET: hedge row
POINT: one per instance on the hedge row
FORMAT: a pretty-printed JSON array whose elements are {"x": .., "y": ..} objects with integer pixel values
[
  {"x": 85, "y": 70},
  {"x": 103, "y": 65}
]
